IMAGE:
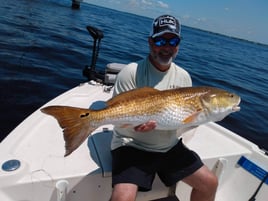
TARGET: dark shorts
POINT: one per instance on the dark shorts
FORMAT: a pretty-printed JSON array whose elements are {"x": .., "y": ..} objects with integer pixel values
[{"x": 131, "y": 165}]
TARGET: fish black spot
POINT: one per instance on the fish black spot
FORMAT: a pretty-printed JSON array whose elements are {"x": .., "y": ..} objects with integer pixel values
[{"x": 84, "y": 115}]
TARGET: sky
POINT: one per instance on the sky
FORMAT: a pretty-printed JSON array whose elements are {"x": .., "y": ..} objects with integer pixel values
[{"x": 245, "y": 19}]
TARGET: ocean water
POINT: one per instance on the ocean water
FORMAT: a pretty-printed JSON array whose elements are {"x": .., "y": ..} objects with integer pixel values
[{"x": 45, "y": 46}]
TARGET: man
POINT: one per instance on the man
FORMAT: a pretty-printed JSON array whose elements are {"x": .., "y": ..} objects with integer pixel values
[{"x": 140, "y": 153}]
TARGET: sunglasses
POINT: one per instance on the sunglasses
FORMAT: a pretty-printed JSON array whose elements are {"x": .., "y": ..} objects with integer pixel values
[{"x": 160, "y": 41}]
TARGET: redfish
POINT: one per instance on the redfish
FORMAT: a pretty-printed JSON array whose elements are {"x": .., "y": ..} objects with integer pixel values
[{"x": 170, "y": 109}]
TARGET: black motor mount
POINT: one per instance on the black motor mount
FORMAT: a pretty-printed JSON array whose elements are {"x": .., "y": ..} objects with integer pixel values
[{"x": 90, "y": 71}]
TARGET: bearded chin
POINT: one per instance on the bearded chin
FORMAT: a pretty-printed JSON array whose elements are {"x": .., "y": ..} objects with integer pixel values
[
  {"x": 162, "y": 58},
  {"x": 164, "y": 62}
]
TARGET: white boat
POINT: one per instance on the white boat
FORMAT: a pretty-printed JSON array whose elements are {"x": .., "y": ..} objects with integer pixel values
[{"x": 33, "y": 166}]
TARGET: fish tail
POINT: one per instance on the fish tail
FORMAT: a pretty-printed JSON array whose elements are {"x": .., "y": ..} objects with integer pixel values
[{"x": 75, "y": 123}]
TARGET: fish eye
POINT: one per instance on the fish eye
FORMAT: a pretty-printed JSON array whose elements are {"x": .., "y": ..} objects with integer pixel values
[{"x": 84, "y": 115}]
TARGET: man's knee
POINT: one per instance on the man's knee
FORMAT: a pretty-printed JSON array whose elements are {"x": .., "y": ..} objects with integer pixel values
[
  {"x": 126, "y": 192},
  {"x": 203, "y": 180},
  {"x": 211, "y": 182}
]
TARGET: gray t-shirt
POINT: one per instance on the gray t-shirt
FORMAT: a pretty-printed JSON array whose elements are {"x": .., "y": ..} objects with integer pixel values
[{"x": 137, "y": 75}]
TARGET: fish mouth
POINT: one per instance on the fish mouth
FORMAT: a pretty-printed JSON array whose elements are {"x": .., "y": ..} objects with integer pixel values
[{"x": 236, "y": 108}]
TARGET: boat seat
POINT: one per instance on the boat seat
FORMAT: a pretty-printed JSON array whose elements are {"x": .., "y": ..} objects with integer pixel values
[
  {"x": 100, "y": 150},
  {"x": 111, "y": 71}
]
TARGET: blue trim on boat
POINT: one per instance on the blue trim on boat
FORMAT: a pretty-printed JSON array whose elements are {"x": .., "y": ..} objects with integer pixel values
[{"x": 252, "y": 168}]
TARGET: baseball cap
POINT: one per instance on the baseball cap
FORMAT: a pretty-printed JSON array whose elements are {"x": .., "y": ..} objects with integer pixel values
[{"x": 165, "y": 24}]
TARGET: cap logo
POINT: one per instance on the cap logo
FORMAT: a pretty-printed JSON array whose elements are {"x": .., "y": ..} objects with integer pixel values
[{"x": 167, "y": 21}]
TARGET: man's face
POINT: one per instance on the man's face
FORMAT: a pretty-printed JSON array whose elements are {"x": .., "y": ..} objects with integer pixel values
[{"x": 163, "y": 54}]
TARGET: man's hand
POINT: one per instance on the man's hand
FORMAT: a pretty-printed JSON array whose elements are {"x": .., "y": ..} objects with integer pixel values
[{"x": 148, "y": 126}]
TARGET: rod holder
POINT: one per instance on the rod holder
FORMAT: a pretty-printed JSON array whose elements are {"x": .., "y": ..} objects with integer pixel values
[{"x": 62, "y": 186}]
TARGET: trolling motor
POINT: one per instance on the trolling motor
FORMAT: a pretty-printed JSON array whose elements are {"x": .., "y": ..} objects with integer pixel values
[{"x": 89, "y": 71}]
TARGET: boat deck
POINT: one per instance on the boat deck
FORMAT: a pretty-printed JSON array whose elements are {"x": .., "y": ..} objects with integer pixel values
[{"x": 38, "y": 144}]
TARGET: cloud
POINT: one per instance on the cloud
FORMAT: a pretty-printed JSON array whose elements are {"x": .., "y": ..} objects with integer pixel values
[
  {"x": 149, "y": 8},
  {"x": 186, "y": 17},
  {"x": 146, "y": 7},
  {"x": 162, "y": 4},
  {"x": 201, "y": 19},
  {"x": 191, "y": 21},
  {"x": 146, "y": 2},
  {"x": 153, "y": 4}
]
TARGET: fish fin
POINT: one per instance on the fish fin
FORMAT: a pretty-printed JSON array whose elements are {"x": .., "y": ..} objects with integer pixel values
[
  {"x": 75, "y": 123},
  {"x": 192, "y": 117},
  {"x": 129, "y": 95}
]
